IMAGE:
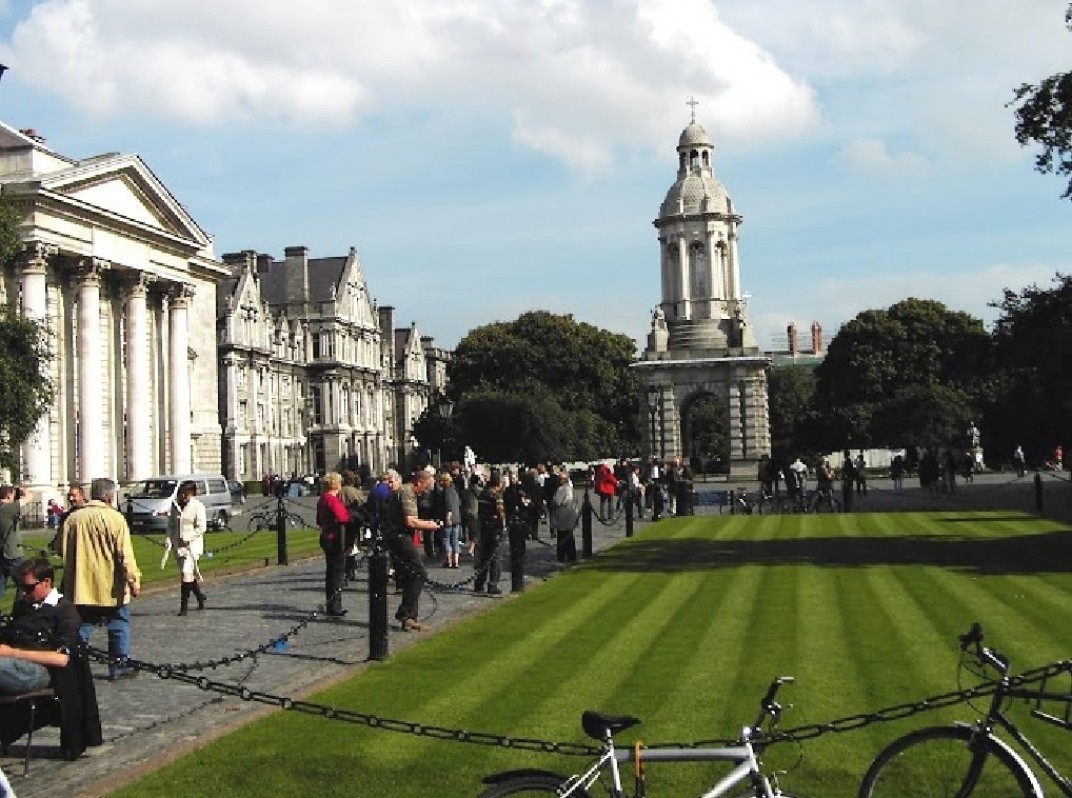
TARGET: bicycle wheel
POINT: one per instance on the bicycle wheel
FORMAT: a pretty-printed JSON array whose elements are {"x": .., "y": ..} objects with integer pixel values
[
  {"x": 532, "y": 784},
  {"x": 945, "y": 762}
]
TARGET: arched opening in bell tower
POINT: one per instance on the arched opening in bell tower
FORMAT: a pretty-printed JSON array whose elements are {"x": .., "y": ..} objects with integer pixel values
[{"x": 705, "y": 433}]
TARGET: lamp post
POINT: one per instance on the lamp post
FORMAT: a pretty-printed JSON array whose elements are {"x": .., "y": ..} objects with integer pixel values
[
  {"x": 445, "y": 408},
  {"x": 655, "y": 405}
]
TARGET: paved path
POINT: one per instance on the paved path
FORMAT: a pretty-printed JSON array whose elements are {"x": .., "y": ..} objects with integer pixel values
[{"x": 146, "y": 720}]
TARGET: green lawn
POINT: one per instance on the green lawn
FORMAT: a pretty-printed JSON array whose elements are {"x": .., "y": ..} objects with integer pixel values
[
  {"x": 240, "y": 554},
  {"x": 683, "y": 626}
]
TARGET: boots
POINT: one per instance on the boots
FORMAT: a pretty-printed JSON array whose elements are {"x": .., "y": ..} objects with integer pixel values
[
  {"x": 195, "y": 587},
  {"x": 184, "y": 597}
]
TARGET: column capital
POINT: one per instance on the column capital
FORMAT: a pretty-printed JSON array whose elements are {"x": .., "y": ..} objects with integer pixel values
[
  {"x": 180, "y": 295},
  {"x": 34, "y": 256},
  {"x": 135, "y": 284},
  {"x": 89, "y": 270}
]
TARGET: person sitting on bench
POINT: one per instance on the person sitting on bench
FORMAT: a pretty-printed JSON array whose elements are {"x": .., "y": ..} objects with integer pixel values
[
  {"x": 40, "y": 648},
  {"x": 43, "y": 630}
]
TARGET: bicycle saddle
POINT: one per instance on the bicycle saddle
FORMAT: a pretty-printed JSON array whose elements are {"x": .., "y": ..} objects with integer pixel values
[{"x": 596, "y": 724}]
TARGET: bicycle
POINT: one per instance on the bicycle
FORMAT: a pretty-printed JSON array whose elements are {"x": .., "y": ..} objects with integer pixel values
[
  {"x": 968, "y": 759},
  {"x": 745, "y": 754}
]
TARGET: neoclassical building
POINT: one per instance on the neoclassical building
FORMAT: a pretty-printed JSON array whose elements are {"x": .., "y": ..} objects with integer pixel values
[
  {"x": 170, "y": 360},
  {"x": 701, "y": 343},
  {"x": 125, "y": 281},
  {"x": 313, "y": 374}
]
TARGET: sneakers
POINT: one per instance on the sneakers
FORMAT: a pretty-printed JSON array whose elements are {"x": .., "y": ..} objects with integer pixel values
[
  {"x": 410, "y": 625},
  {"x": 494, "y": 591}
]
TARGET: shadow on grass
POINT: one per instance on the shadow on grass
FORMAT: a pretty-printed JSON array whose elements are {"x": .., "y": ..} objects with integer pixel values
[{"x": 1049, "y": 552}]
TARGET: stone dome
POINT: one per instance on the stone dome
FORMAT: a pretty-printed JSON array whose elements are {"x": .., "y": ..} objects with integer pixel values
[
  {"x": 694, "y": 135},
  {"x": 691, "y": 191}
]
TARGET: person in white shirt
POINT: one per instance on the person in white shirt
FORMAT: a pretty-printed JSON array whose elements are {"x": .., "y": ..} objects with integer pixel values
[{"x": 186, "y": 537}]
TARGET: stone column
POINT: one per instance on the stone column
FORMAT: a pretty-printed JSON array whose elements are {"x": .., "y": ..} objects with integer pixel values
[
  {"x": 90, "y": 377},
  {"x": 733, "y": 270},
  {"x": 683, "y": 276},
  {"x": 139, "y": 451},
  {"x": 179, "y": 378},
  {"x": 37, "y": 450},
  {"x": 715, "y": 265}
]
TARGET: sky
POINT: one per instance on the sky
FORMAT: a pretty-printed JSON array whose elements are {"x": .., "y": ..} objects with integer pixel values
[{"x": 488, "y": 157}]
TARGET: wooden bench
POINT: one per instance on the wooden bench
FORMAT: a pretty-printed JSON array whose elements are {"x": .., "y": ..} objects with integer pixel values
[{"x": 31, "y": 699}]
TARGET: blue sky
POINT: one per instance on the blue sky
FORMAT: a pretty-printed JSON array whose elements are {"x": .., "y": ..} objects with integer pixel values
[{"x": 493, "y": 156}]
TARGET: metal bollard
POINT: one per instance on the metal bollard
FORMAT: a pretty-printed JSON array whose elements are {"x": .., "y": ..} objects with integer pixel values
[
  {"x": 1038, "y": 491},
  {"x": 281, "y": 532},
  {"x": 848, "y": 498},
  {"x": 377, "y": 599},
  {"x": 586, "y": 526},
  {"x": 628, "y": 496},
  {"x": 733, "y": 502}
]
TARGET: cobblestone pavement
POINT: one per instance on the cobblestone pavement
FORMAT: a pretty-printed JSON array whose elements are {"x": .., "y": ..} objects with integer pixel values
[{"x": 148, "y": 720}]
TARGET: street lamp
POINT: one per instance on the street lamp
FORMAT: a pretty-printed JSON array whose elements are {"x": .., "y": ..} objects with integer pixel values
[
  {"x": 654, "y": 399},
  {"x": 445, "y": 408}
]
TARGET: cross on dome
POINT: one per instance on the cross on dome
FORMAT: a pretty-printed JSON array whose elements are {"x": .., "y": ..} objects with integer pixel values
[{"x": 692, "y": 102}]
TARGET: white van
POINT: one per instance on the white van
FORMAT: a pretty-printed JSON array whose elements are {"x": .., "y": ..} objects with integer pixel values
[{"x": 148, "y": 503}]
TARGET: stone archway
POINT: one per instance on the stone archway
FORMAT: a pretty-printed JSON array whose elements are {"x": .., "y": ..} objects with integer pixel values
[{"x": 705, "y": 432}]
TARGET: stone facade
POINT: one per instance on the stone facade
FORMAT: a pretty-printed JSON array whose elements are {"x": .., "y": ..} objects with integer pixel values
[
  {"x": 125, "y": 282},
  {"x": 701, "y": 343},
  {"x": 313, "y": 375}
]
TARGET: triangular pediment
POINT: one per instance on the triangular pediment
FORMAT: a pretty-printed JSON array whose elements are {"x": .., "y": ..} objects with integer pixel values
[{"x": 123, "y": 186}]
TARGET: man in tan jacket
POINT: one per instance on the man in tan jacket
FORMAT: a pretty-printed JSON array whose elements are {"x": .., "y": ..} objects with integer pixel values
[{"x": 100, "y": 572}]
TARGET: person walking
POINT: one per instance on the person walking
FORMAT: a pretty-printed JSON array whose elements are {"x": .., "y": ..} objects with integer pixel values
[
  {"x": 186, "y": 537},
  {"x": 403, "y": 520},
  {"x": 332, "y": 518},
  {"x": 563, "y": 519},
  {"x": 451, "y": 518},
  {"x": 492, "y": 514},
  {"x": 101, "y": 574},
  {"x": 10, "y": 535}
]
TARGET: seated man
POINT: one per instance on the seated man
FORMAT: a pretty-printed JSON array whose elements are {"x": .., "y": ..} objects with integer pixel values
[
  {"x": 39, "y": 648},
  {"x": 42, "y": 633}
]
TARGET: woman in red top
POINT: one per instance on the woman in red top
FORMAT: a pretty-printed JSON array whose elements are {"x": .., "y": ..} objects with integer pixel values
[
  {"x": 332, "y": 517},
  {"x": 606, "y": 488}
]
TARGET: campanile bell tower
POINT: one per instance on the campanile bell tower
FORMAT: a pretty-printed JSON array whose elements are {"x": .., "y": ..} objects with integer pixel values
[{"x": 701, "y": 342}]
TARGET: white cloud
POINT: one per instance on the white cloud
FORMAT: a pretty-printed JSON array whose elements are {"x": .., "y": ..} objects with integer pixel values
[
  {"x": 872, "y": 155},
  {"x": 580, "y": 78}
]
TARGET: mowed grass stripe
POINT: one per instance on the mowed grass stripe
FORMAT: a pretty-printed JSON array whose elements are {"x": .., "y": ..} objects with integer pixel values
[{"x": 682, "y": 644}]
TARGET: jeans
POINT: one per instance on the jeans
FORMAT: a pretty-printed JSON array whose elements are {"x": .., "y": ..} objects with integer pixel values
[
  {"x": 19, "y": 676},
  {"x": 117, "y": 619},
  {"x": 452, "y": 538}
]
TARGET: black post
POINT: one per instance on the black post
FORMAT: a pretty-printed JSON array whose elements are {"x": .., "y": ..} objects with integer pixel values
[
  {"x": 684, "y": 497},
  {"x": 733, "y": 502},
  {"x": 586, "y": 525},
  {"x": 1038, "y": 491},
  {"x": 518, "y": 531},
  {"x": 628, "y": 495},
  {"x": 130, "y": 511},
  {"x": 848, "y": 498},
  {"x": 281, "y": 531},
  {"x": 377, "y": 598}
]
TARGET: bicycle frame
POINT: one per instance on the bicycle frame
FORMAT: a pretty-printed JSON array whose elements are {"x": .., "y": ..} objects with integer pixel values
[
  {"x": 996, "y": 715},
  {"x": 743, "y": 754}
]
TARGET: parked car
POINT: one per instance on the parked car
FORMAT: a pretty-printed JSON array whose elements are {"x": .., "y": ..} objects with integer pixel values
[{"x": 148, "y": 503}]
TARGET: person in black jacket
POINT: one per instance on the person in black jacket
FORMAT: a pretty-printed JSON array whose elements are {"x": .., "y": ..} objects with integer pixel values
[{"x": 40, "y": 648}]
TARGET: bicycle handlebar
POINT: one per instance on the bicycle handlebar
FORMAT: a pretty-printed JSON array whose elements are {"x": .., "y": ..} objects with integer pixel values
[{"x": 972, "y": 643}]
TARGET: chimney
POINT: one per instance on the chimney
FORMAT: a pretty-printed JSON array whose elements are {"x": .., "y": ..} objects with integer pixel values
[
  {"x": 816, "y": 338},
  {"x": 791, "y": 333},
  {"x": 296, "y": 275},
  {"x": 387, "y": 329}
]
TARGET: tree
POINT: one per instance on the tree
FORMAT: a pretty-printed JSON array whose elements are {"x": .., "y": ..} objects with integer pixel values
[
  {"x": 25, "y": 353},
  {"x": 883, "y": 358},
  {"x": 544, "y": 386},
  {"x": 1033, "y": 338},
  {"x": 791, "y": 397},
  {"x": 1043, "y": 114},
  {"x": 709, "y": 440}
]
